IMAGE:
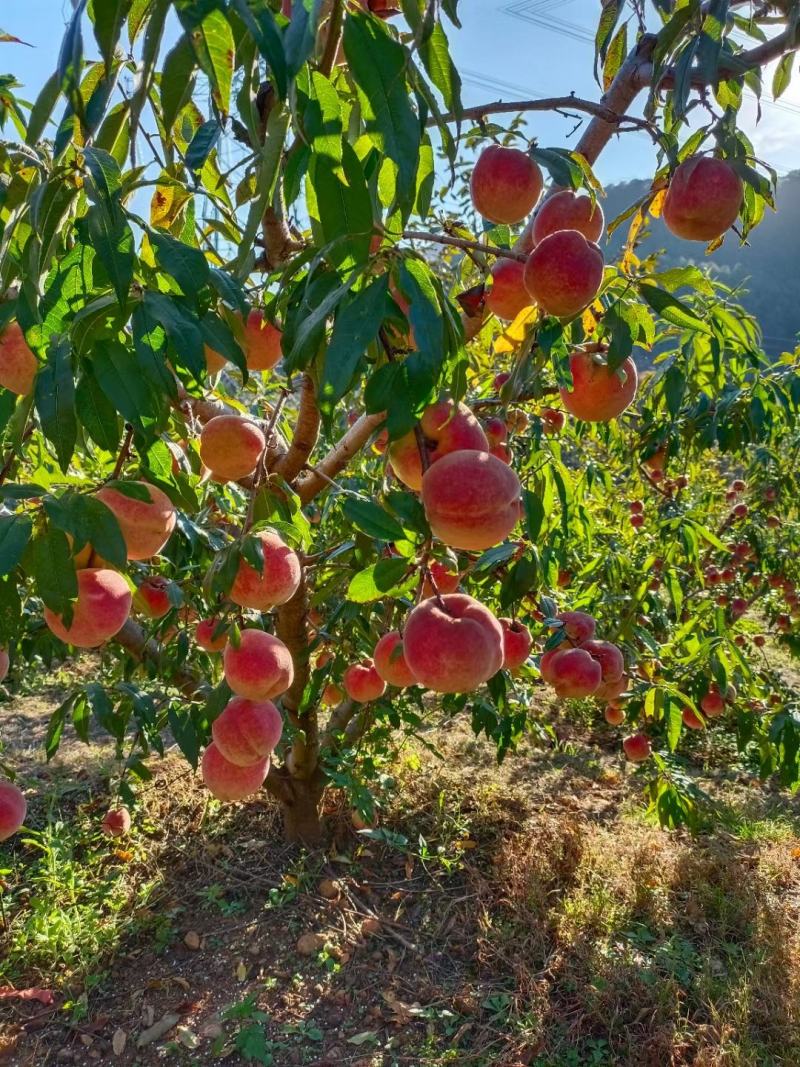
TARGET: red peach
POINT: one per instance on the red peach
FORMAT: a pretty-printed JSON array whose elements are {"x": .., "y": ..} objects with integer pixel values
[
  {"x": 452, "y": 644},
  {"x": 496, "y": 431},
  {"x": 500, "y": 380},
  {"x": 703, "y": 199},
  {"x": 740, "y": 511},
  {"x": 332, "y": 695},
  {"x": 260, "y": 668},
  {"x": 568, "y": 211},
  {"x": 637, "y": 521},
  {"x": 610, "y": 658},
  {"x": 505, "y": 184},
  {"x": 215, "y": 361},
  {"x": 247, "y": 730},
  {"x": 262, "y": 342},
  {"x": 390, "y": 661},
  {"x": 116, "y": 822},
  {"x": 712, "y": 704},
  {"x": 517, "y": 643},
  {"x": 471, "y": 499},
  {"x": 759, "y": 640},
  {"x": 773, "y": 522},
  {"x": 279, "y": 578},
  {"x": 446, "y": 578},
  {"x": 231, "y": 447},
  {"x": 576, "y": 674},
  {"x": 547, "y": 662},
  {"x": 507, "y": 296},
  {"x": 738, "y": 485},
  {"x": 610, "y": 690},
  {"x": 204, "y": 635},
  {"x": 503, "y": 453},
  {"x": 100, "y": 611},
  {"x": 13, "y": 809},
  {"x": 578, "y": 626},
  {"x": 362, "y": 682},
  {"x": 636, "y": 506},
  {"x": 692, "y": 720},
  {"x": 637, "y": 747},
  {"x": 226, "y": 781},
  {"x": 599, "y": 394},
  {"x": 152, "y": 597},
  {"x": 446, "y": 428},
  {"x": 614, "y": 714},
  {"x": 770, "y": 494},
  {"x": 552, "y": 421},
  {"x": 18, "y": 364},
  {"x": 146, "y": 525},
  {"x": 564, "y": 273}
]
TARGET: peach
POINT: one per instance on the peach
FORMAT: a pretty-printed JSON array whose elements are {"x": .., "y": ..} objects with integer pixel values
[
  {"x": 279, "y": 578},
  {"x": 18, "y": 364},
  {"x": 362, "y": 682},
  {"x": 116, "y": 822},
  {"x": 471, "y": 499},
  {"x": 637, "y": 747},
  {"x": 446, "y": 428},
  {"x": 390, "y": 661},
  {"x": 692, "y": 720},
  {"x": 614, "y": 714},
  {"x": 205, "y": 635},
  {"x": 152, "y": 597},
  {"x": 547, "y": 662},
  {"x": 332, "y": 695},
  {"x": 247, "y": 731},
  {"x": 568, "y": 211},
  {"x": 101, "y": 609},
  {"x": 575, "y": 673},
  {"x": 231, "y": 447},
  {"x": 215, "y": 361},
  {"x": 578, "y": 626},
  {"x": 564, "y": 273},
  {"x": 505, "y": 184},
  {"x": 260, "y": 668},
  {"x": 712, "y": 703},
  {"x": 226, "y": 781},
  {"x": 13, "y": 809},
  {"x": 599, "y": 394},
  {"x": 445, "y": 576},
  {"x": 552, "y": 421},
  {"x": 608, "y": 656},
  {"x": 262, "y": 342},
  {"x": 500, "y": 380},
  {"x": 703, "y": 199},
  {"x": 610, "y": 690},
  {"x": 507, "y": 296},
  {"x": 452, "y": 644},
  {"x": 146, "y": 525},
  {"x": 517, "y": 643},
  {"x": 5, "y": 663},
  {"x": 496, "y": 431},
  {"x": 503, "y": 453}
]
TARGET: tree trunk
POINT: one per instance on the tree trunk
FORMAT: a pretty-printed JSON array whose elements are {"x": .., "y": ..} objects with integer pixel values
[{"x": 301, "y": 814}]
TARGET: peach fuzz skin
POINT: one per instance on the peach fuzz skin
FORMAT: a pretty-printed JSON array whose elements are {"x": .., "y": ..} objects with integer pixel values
[
  {"x": 703, "y": 199},
  {"x": 507, "y": 296},
  {"x": 247, "y": 730},
  {"x": 390, "y": 661},
  {"x": 146, "y": 525},
  {"x": 116, "y": 822},
  {"x": 262, "y": 342},
  {"x": 101, "y": 610},
  {"x": 505, "y": 184},
  {"x": 471, "y": 499},
  {"x": 13, "y": 809},
  {"x": 231, "y": 446},
  {"x": 517, "y": 643},
  {"x": 226, "y": 781},
  {"x": 278, "y": 580},
  {"x": 599, "y": 394},
  {"x": 362, "y": 682},
  {"x": 568, "y": 211},
  {"x": 564, "y": 273},
  {"x": 446, "y": 428},
  {"x": 204, "y": 635},
  {"x": 453, "y": 644},
  {"x": 260, "y": 668},
  {"x": 18, "y": 364}
]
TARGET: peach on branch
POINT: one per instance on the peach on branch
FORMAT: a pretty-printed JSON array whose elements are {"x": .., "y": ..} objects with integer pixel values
[
  {"x": 215, "y": 361},
  {"x": 100, "y": 611},
  {"x": 507, "y": 296},
  {"x": 446, "y": 427},
  {"x": 563, "y": 273},
  {"x": 116, "y": 822},
  {"x": 637, "y": 747},
  {"x": 13, "y": 809},
  {"x": 279, "y": 578},
  {"x": 496, "y": 431},
  {"x": 614, "y": 714},
  {"x": 362, "y": 682},
  {"x": 578, "y": 626},
  {"x": 500, "y": 380},
  {"x": 471, "y": 499},
  {"x": 575, "y": 673},
  {"x": 231, "y": 447},
  {"x": 152, "y": 597},
  {"x": 146, "y": 524},
  {"x": 452, "y": 644},
  {"x": 548, "y": 659},
  {"x": 552, "y": 421},
  {"x": 517, "y": 643},
  {"x": 612, "y": 663},
  {"x": 712, "y": 703},
  {"x": 247, "y": 730},
  {"x": 611, "y": 689},
  {"x": 444, "y": 576},
  {"x": 226, "y": 781},
  {"x": 262, "y": 342},
  {"x": 390, "y": 661},
  {"x": 205, "y": 635},
  {"x": 599, "y": 394},
  {"x": 505, "y": 184},
  {"x": 332, "y": 695},
  {"x": 692, "y": 720},
  {"x": 568, "y": 211},
  {"x": 18, "y": 364},
  {"x": 260, "y": 668},
  {"x": 503, "y": 453},
  {"x": 703, "y": 199}
]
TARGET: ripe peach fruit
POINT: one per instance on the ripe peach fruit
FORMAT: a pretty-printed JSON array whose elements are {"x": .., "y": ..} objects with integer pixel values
[
  {"x": 332, "y": 695},
  {"x": 503, "y": 453},
  {"x": 247, "y": 730},
  {"x": 552, "y": 421},
  {"x": 18, "y": 364},
  {"x": 214, "y": 360},
  {"x": 517, "y": 643},
  {"x": 445, "y": 576},
  {"x": 362, "y": 682},
  {"x": 452, "y": 645},
  {"x": 500, "y": 380},
  {"x": 278, "y": 580},
  {"x": 204, "y": 635},
  {"x": 446, "y": 427},
  {"x": 5, "y": 663},
  {"x": 262, "y": 342},
  {"x": 611, "y": 689},
  {"x": 599, "y": 394},
  {"x": 146, "y": 525},
  {"x": 712, "y": 704},
  {"x": 548, "y": 659},
  {"x": 637, "y": 747},
  {"x": 575, "y": 673},
  {"x": 703, "y": 199},
  {"x": 568, "y": 211},
  {"x": 614, "y": 714},
  {"x": 578, "y": 626},
  {"x": 13, "y": 809},
  {"x": 564, "y": 273},
  {"x": 507, "y": 296},
  {"x": 740, "y": 511},
  {"x": 102, "y": 608},
  {"x": 637, "y": 521},
  {"x": 612, "y": 663},
  {"x": 505, "y": 184},
  {"x": 691, "y": 720},
  {"x": 231, "y": 446},
  {"x": 116, "y": 822},
  {"x": 496, "y": 431},
  {"x": 471, "y": 499},
  {"x": 152, "y": 597},
  {"x": 260, "y": 668},
  {"x": 226, "y": 781},
  {"x": 390, "y": 661}
]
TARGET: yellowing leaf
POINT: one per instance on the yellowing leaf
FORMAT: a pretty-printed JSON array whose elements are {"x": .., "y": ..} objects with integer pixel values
[
  {"x": 657, "y": 203},
  {"x": 515, "y": 333}
]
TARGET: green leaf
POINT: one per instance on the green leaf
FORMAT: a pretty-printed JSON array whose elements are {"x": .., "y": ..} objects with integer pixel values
[
  {"x": 372, "y": 519},
  {"x": 674, "y": 389},
  {"x": 261, "y": 25},
  {"x": 783, "y": 74},
  {"x": 384, "y": 578},
  {"x": 112, "y": 240},
  {"x": 435, "y": 53},
  {"x": 43, "y": 109},
  {"x": 606, "y": 26},
  {"x": 55, "y": 402},
  {"x": 562, "y": 168},
  {"x": 88, "y": 521},
  {"x": 534, "y": 514},
  {"x": 617, "y": 52},
  {"x": 54, "y": 571},
  {"x": 182, "y": 327},
  {"x": 219, "y": 336},
  {"x": 15, "y": 532},
  {"x": 177, "y": 81},
  {"x": 343, "y": 208},
  {"x": 150, "y": 342},
  {"x": 357, "y": 323},
  {"x": 109, "y": 17},
  {"x": 96, "y": 413},
  {"x": 105, "y": 172},
  {"x": 120, "y": 377},
  {"x": 671, "y": 309},
  {"x": 187, "y": 265},
  {"x": 213, "y": 44},
  {"x": 301, "y": 34},
  {"x": 322, "y": 118},
  {"x": 378, "y": 65},
  {"x": 55, "y": 727},
  {"x": 202, "y": 145}
]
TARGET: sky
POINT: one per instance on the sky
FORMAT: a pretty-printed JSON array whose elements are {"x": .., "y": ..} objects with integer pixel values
[{"x": 507, "y": 49}]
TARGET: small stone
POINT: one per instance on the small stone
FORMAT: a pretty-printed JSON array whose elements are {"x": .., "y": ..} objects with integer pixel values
[
  {"x": 192, "y": 940},
  {"x": 330, "y": 888},
  {"x": 310, "y": 944},
  {"x": 369, "y": 927}
]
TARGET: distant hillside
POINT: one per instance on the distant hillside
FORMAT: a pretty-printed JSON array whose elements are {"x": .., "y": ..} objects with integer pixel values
[{"x": 768, "y": 268}]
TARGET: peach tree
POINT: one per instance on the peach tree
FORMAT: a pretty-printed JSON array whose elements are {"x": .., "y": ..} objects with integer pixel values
[{"x": 325, "y": 411}]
